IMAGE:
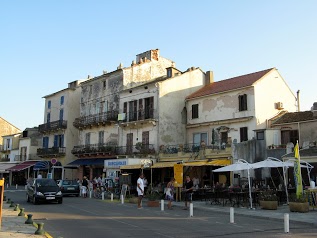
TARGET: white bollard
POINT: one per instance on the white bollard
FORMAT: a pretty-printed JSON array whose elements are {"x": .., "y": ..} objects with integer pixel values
[
  {"x": 286, "y": 223},
  {"x": 90, "y": 194},
  {"x": 16, "y": 186},
  {"x": 25, "y": 187},
  {"x": 111, "y": 197},
  {"x": 231, "y": 215},
  {"x": 103, "y": 195},
  {"x": 162, "y": 205},
  {"x": 122, "y": 199},
  {"x": 7, "y": 185},
  {"x": 191, "y": 210}
]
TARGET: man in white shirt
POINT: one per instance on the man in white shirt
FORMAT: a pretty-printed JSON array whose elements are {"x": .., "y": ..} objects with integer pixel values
[{"x": 140, "y": 189}]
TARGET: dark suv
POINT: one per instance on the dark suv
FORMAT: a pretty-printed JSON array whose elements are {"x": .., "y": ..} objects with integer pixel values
[{"x": 44, "y": 190}]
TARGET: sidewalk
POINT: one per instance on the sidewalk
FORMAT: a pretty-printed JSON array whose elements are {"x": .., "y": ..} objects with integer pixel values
[
  {"x": 14, "y": 225},
  {"x": 308, "y": 218}
]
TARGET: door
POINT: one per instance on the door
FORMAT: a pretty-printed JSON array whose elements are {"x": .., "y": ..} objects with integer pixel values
[
  {"x": 145, "y": 141},
  {"x": 129, "y": 143}
]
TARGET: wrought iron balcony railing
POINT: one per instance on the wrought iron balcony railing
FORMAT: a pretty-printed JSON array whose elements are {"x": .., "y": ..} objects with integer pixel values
[
  {"x": 113, "y": 149},
  {"x": 52, "y": 126},
  {"x": 96, "y": 119},
  {"x": 140, "y": 115},
  {"x": 54, "y": 151}
]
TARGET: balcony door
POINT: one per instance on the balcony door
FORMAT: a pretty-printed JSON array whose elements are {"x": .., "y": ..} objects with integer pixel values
[
  {"x": 145, "y": 140},
  {"x": 129, "y": 143}
]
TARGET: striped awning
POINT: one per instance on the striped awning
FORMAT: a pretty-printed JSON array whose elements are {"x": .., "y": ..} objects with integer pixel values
[{"x": 42, "y": 165}]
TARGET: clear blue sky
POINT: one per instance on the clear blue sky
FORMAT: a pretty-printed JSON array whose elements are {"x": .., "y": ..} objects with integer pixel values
[{"x": 47, "y": 44}]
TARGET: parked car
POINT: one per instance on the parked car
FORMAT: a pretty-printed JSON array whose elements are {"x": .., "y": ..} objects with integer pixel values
[
  {"x": 44, "y": 190},
  {"x": 69, "y": 187}
]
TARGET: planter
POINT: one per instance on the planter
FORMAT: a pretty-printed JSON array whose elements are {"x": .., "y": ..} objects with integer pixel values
[
  {"x": 133, "y": 200},
  {"x": 151, "y": 203},
  {"x": 299, "y": 206},
  {"x": 268, "y": 205}
]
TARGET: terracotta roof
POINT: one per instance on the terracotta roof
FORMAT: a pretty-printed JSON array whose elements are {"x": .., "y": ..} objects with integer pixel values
[
  {"x": 229, "y": 84},
  {"x": 290, "y": 117}
]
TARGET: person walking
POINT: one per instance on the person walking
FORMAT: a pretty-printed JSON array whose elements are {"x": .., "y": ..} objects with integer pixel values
[
  {"x": 169, "y": 194},
  {"x": 84, "y": 186},
  {"x": 140, "y": 189},
  {"x": 189, "y": 187}
]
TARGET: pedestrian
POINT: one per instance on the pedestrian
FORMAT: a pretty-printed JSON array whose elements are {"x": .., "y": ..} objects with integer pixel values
[
  {"x": 169, "y": 194},
  {"x": 39, "y": 175},
  {"x": 189, "y": 186},
  {"x": 140, "y": 189},
  {"x": 84, "y": 187}
]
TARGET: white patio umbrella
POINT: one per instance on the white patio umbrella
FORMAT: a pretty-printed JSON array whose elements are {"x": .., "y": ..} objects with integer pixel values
[{"x": 238, "y": 166}]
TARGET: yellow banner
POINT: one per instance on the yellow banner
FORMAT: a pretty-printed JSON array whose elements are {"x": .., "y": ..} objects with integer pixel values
[
  {"x": 297, "y": 172},
  {"x": 178, "y": 175}
]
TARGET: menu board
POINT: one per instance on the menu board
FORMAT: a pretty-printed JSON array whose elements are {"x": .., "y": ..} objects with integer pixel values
[{"x": 178, "y": 175}]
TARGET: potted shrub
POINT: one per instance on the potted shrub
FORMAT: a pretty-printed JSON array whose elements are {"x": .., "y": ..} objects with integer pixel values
[
  {"x": 153, "y": 199},
  {"x": 268, "y": 200},
  {"x": 298, "y": 203}
]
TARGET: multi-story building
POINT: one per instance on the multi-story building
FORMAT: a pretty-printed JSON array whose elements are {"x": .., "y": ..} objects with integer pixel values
[
  {"x": 99, "y": 109},
  {"x": 236, "y": 111},
  {"x": 59, "y": 134}
]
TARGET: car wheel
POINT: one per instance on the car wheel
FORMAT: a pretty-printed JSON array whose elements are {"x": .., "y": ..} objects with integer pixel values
[
  {"x": 27, "y": 198},
  {"x": 60, "y": 201},
  {"x": 34, "y": 200}
]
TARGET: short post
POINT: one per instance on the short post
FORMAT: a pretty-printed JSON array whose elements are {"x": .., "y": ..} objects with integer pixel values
[
  {"x": 103, "y": 195},
  {"x": 29, "y": 220},
  {"x": 12, "y": 204},
  {"x": 191, "y": 209},
  {"x": 21, "y": 212},
  {"x": 40, "y": 230},
  {"x": 90, "y": 193},
  {"x": 286, "y": 223},
  {"x": 122, "y": 199},
  {"x": 7, "y": 185},
  {"x": 16, "y": 208},
  {"x": 231, "y": 215},
  {"x": 111, "y": 197},
  {"x": 25, "y": 187},
  {"x": 16, "y": 186},
  {"x": 162, "y": 204}
]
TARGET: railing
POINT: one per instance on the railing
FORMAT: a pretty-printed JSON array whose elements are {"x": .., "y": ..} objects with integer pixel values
[
  {"x": 54, "y": 151},
  {"x": 55, "y": 125},
  {"x": 95, "y": 119},
  {"x": 190, "y": 148},
  {"x": 114, "y": 149},
  {"x": 140, "y": 115},
  {"x": 94, "y": 148}
]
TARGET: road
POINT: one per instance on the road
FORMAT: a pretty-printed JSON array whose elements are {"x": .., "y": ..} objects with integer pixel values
[{"x": 84, "y": 217}]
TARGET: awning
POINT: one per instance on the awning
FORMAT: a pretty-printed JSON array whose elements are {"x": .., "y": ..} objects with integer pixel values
[
  {"x": 131, "y": 166},
  {"x": 95, "y": 161},
  {"x": 22, "y": 166},
  {"x": 164, "y": 164},
  {"x": 219, "y": 162},
  {"x": 196, "y": 163},
  {"x": 42, "y": 165},
  {"x": 5, "y": 166}
]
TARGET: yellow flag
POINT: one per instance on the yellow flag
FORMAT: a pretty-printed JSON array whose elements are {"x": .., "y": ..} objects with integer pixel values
[{"x": 297, "y": 172}]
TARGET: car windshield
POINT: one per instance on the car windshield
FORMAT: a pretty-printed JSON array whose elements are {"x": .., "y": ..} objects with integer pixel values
[{"x": 46, "y": 183}]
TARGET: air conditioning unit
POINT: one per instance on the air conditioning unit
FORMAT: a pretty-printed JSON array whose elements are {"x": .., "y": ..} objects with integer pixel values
[{"x": 279, "y": 105}]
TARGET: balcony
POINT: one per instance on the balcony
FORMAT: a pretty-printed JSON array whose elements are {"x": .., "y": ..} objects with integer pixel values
[
  {"x": 108, "y": 149},
  {"x": 51, "y": 152},
  {"x": 96, "y": 119},
  {"x": 52, "y": 126}
]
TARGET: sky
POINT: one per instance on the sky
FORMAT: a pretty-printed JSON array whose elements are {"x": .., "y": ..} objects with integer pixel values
[{"x": 47, "y": 44}]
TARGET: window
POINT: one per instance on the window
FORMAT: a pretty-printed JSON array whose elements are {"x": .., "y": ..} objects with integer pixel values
[
  {"x": 48, "y": 118},
  {"x": 199, "y": 137},
  {"x": 87, "y": 138},
  {"x": 58, "y": 141},
  {"x": 194, "y": 111},
  {"x": 61, "y": 114},
  {"x": 243, "y": 102},
  {"x": 62, "y": 100},
  {"x": 45, "y": 142},
  {"x": 101, "y": 135},
  {"x": 149, "y": 108},
  {"x": 49, "y": 104},
  {"x": 8, "y": 144},
  {"x": 260, "y": 135},
  {"x": 104, "y": 85},
  {"x": 169, "y": 73},
  {"x": 243, "y": 134}
]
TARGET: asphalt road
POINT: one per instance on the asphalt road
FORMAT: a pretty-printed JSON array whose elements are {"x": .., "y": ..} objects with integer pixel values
[{"x": 84, "y": 217}]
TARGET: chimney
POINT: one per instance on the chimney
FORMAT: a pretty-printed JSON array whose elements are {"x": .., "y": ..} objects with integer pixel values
[
  {"x": 209, "y": 77},
  {"x": 120, "y": 66},
  {"x": 314, "y": 109},
  {"x": 298, "y": 104}
]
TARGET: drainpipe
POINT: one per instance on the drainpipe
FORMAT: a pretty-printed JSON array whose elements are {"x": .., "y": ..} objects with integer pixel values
[
  {"x": 298, "y": 104},
  {"x": 298, "y": 127}
]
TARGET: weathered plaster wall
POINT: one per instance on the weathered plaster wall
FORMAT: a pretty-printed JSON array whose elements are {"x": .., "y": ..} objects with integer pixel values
[
  {"x": 7, "y": 128},
  {"x": 268, "y": 91},
  {"x": 172, "y": 94}
]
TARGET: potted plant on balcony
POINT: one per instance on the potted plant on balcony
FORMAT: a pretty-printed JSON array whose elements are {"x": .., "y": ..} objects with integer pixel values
[
  {"x": 298, "y": 203},
  {"x": 268, "y": 200}
]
